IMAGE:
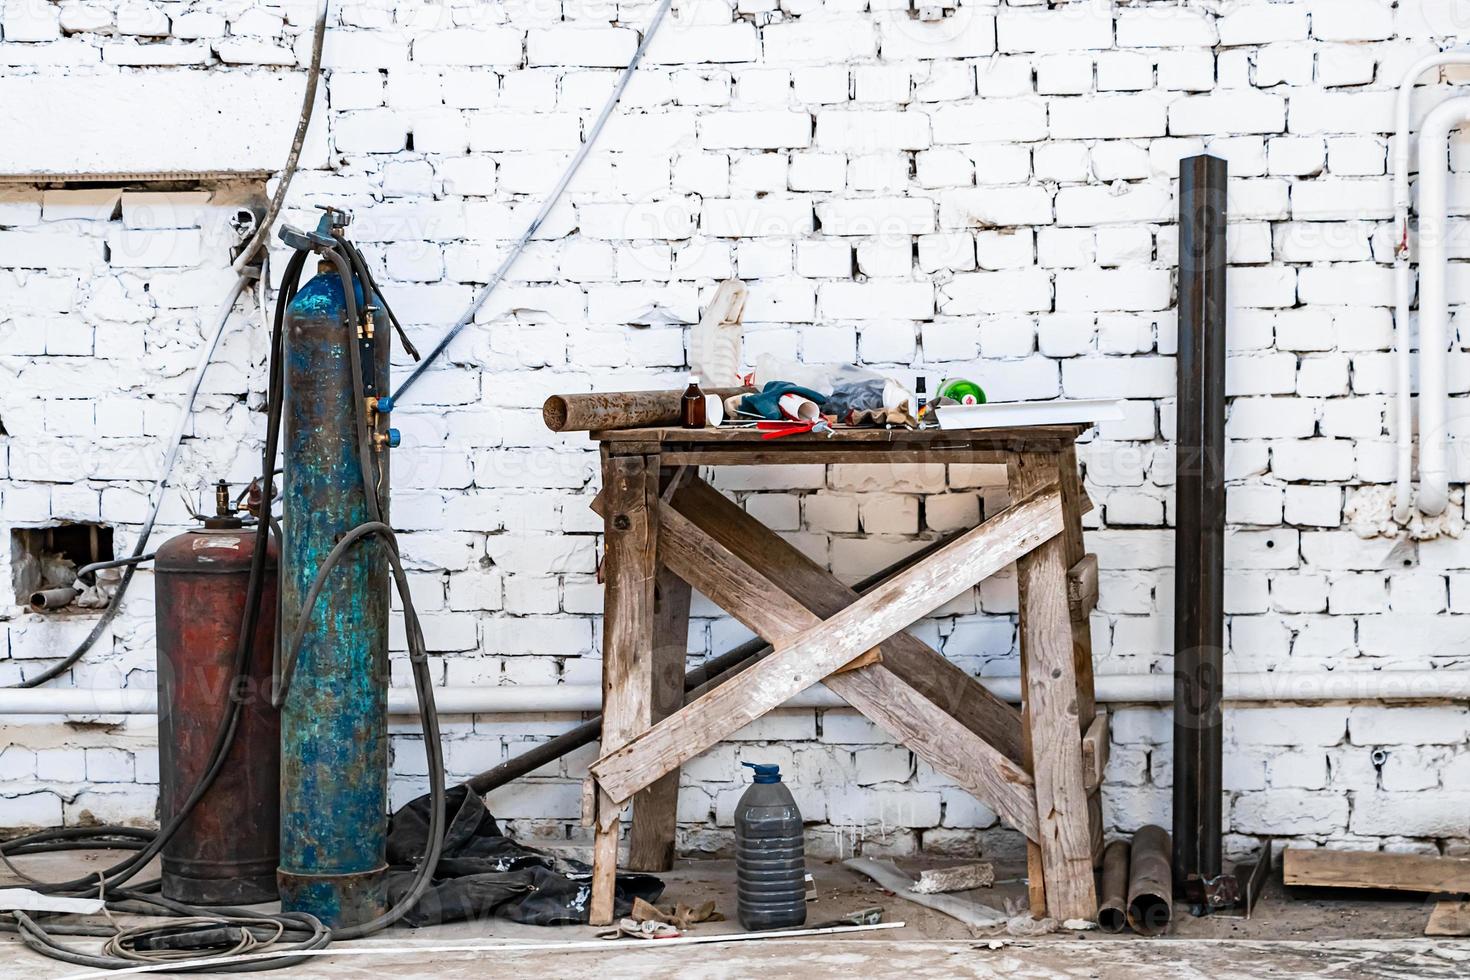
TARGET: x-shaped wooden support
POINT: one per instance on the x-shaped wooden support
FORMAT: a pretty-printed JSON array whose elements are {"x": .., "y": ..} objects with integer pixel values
[{"x": 809, "y": 649}]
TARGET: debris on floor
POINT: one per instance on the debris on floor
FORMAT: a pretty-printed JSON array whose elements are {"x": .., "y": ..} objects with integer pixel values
[
  {"x": 891, "y": 877},
  {"x": 936, "y": 881}
]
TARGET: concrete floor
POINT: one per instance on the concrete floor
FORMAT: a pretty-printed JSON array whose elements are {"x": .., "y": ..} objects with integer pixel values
[{"x": 1298, "y": 936}]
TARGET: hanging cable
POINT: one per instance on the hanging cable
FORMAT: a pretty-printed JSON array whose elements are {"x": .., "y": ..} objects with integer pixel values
[{"x": 468, "y": 316}]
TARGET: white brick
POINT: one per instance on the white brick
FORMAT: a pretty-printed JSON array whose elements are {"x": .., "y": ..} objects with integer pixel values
[
  {"x": 1070, "y": 27},
  {"x": 593, "y": 47},
  {"x": 469, "y": 46},
  {"x": 1108, "y": 117},
  {"x": 862, "y": 131},
  {"x": 1237, "y": 112},
  {"x": 876, "y": 300},
  {"x": 755, "y": 130}
]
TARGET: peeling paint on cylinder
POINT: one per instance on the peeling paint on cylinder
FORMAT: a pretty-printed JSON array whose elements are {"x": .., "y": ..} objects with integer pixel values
[{"x": 334, "y": 742}]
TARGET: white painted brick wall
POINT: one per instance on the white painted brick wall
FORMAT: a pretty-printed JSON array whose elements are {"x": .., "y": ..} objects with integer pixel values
[{"x": 990, "y": 196}]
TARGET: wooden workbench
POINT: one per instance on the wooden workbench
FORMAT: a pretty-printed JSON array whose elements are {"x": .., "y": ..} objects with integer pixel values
[{"x": 667, "y": 531}]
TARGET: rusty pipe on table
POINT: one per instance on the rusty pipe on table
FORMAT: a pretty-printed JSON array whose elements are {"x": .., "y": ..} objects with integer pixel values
[
  {"x": 600, "y": 411},
  {"x": 1112, "y": 907},
  {"x": 1150, "y": 882},
  {"x": 712, "y": 673}
]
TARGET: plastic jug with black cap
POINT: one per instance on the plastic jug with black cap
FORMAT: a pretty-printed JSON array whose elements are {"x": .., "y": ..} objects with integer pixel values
[{"x": 770, "y": 854}]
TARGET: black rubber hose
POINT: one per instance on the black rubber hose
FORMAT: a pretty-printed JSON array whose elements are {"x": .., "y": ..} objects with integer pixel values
[{"x": 360, "y": 264}]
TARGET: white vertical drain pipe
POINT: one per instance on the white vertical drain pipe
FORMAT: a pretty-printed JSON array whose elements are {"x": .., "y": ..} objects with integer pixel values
[
  {"x": 1403, "y": 277},
  {"x": 1434, "y": 310}
]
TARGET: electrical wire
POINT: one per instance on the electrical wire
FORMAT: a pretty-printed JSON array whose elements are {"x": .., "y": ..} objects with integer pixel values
[{"x": 468, "y": 316}]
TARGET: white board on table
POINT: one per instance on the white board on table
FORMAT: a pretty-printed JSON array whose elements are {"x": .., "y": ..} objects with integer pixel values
[{"x": 1005, "y": 415}]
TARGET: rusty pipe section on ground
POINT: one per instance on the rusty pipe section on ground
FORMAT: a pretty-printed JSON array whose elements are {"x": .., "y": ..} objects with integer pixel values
[
  {"x": 45, "y": 600},
  {"x": 1150, "y": 882},
  {"x": 600, "y": 411},
  {"x": 1112, "y": 906}
]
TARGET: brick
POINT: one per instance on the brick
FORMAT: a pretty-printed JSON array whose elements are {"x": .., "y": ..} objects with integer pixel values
[
  {"x": 1067, "y": 28},
  {"x": 1237, "y": 112},
  {"x": 1109, "y": 117}
]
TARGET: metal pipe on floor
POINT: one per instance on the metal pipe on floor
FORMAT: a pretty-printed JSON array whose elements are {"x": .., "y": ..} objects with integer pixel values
[
  {"x": 1150, "y": 884},
  {"x": 1112, "y": 906},
  {"x": 1199, "y": 538},
  {"x": 52, "y": 598}
]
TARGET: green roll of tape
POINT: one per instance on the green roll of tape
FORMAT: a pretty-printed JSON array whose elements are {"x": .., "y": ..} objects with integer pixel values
[{"x": 962, "y": 391}]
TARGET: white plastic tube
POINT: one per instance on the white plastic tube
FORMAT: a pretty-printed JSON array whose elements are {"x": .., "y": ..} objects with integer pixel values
[
  {"x": 1338, "y": 685},
  {"x": 1434, "y": 309},
  {"x": 1403, "y": 277}
]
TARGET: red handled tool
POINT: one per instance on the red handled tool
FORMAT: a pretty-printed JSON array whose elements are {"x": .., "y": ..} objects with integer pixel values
[{"x": 777, "y": 430}]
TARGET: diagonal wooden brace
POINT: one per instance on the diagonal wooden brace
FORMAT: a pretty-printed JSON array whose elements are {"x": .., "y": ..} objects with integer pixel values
[
  {"x": 874, "y": 690},
  {"x": 926, "y": 670},
  {"x": 815, "y": 652}
]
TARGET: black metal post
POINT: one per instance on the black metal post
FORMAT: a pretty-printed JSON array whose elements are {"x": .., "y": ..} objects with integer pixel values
[{"x": 1199, "y": 617}]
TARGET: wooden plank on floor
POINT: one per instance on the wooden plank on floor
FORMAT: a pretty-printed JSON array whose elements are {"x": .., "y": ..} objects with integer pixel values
[
  {"x": 1423, "y": 873},
  {"x": 877, "y": 692},
  {"x": 818, "y": 590},
  {"x": 817, "y": 652},
  {"x": 1448, "y": 919}
]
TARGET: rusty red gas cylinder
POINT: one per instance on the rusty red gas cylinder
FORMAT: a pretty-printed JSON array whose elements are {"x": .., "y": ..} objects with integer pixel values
[{"x": 226, "y": 852}]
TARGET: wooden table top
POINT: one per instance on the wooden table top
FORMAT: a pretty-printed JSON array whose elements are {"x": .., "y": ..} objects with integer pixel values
[{"x": 744, "y": 444}]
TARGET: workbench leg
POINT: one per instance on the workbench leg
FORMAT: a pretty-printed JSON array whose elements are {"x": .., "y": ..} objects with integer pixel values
[
  {"x": 656, "y": 809},
  {"x": 1050, "y": 683},
  {"x": 1025, "y": 474},
  {"x": 1073, "y": 498},
  {"x": 630, "y": 565}
]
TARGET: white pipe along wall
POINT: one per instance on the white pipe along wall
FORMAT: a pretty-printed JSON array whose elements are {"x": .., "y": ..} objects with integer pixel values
[
  {"x": 1434, "y": 312},
  {"x": 1403, "y": 277},
  {"x": 1360, "y": 686}
]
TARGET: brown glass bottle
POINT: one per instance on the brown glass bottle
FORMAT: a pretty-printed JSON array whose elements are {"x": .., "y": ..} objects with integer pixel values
[{"x": 693, "y": 408}]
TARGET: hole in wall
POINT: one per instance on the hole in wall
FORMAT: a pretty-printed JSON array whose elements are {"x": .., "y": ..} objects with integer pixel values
[{"x": 48, "y": 557}]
